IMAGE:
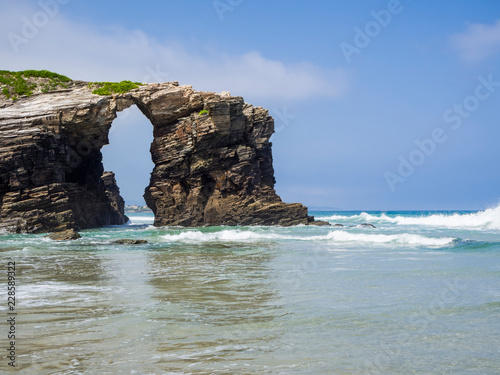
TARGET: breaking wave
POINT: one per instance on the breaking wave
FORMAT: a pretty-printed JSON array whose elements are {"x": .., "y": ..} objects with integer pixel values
[
  {"x": 225, "y": 236},
  {"x": 488, "y": 219},
  {"x": 337, "y": 236},
  {"x": 401, "y": 239},
  {"x": 141, "y": 219}
]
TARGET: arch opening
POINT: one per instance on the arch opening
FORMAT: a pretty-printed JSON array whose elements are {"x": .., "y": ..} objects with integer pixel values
[{"x": 128, "y": 154}]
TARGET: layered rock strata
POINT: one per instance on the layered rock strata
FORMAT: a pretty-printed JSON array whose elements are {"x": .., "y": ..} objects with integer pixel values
[{"x": 212, "y": 156}]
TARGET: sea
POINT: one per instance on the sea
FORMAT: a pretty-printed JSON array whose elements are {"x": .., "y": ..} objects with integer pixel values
[{"x": 418, "y": 293}]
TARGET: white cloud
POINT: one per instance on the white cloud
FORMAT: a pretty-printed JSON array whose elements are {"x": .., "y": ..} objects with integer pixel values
[
  {"x": 478, "y": 42},
  {"x": 82, "y": 52}
]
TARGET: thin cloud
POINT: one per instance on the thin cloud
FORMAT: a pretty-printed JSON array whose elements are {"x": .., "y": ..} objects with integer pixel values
[
  {"x": 478, "y": 42},
  {"x": 82, "y": 52}
]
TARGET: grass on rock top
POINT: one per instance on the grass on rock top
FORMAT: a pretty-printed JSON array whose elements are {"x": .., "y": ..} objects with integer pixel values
[
  {"x": 109, "y": 88},
  {"x": 26, "y": 82}
]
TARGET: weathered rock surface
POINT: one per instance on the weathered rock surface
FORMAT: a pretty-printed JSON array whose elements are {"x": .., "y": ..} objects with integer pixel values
[
  {"x": 367, "y": 225},
  {"x": 65, "y": 235},
  {"x": 116, "y": 202},
  {"x": 210, "y": 169},
  {"x": 319, "y": 223}
]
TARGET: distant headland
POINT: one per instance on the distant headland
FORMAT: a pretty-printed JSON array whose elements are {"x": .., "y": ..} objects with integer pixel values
[{"x": 136, "y": 208}]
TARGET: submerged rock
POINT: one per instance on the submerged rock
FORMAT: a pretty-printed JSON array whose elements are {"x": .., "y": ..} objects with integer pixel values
[
  {"x": 318, "y": 223},
  {"x": 368, "y": 225},
  {"x": 354, "y": 226},
  {"x": 130, "y": 242},
  {"x": 65, "y": 235},
  {"x": 210, "y": 169}
]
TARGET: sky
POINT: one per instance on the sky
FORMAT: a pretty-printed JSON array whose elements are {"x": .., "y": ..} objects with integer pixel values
[{"x": 378, "y": 104}]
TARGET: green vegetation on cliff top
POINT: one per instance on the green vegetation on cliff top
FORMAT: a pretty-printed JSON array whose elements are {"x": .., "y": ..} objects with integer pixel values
[
  {"x": 24, "y": 83},
  {"x": 108, "y": 88}
]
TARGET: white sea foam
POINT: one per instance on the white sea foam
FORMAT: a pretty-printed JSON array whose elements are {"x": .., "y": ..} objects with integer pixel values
[
  {"x": 141, "y": 219},
  {"x": 225, "y": 236},
  {"x": 488, "y": 219},
  {"x": 337, "y": 236},
  {"x": 400, "y": 239},
  {"x": 42, "y": 294}
]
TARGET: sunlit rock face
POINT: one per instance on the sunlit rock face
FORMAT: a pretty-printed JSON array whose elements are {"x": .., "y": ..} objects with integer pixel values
[{"x": 212, "y": 156}]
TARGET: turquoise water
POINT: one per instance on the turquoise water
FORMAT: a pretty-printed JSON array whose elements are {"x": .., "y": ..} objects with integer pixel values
[{"x": 418, "y": 294}]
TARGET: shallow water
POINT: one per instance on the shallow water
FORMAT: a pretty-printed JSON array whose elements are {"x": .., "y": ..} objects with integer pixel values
[{"x": 418, "y": 294}]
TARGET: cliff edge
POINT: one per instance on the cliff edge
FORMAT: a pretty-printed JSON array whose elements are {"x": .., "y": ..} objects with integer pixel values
[{"x": 212, "y": 157}]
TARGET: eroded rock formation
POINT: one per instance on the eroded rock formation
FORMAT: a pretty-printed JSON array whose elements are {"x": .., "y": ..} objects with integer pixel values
[{"x": 211, "y": 168}]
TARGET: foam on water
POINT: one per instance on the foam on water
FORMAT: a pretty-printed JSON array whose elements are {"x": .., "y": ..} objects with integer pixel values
[
  {"x": 401, "y": 239},
  {"x": 141, "y": 219},
  {"x": 224, "y": 236},
  {"x": 338, "y": 236},
  {"x": 51, "y": 293},
  {"x": 488, "y": 219}
]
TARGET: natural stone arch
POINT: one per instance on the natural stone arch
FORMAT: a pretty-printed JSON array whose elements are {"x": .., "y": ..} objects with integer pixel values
[{"x": 211, "y": 168}]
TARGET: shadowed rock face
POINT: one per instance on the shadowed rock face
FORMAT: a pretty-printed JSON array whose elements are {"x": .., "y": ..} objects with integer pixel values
[{"x": 210, "y": 169}]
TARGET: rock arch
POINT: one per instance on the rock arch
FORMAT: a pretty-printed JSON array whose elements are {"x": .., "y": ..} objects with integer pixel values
[{"x": 211, "y": 168}]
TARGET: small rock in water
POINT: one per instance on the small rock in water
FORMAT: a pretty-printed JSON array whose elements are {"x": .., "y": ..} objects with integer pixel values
[
  {"x": 320, "y": 223},
  {"x": 126, "y": 241},
  {"x": 338, "y": 225},
  {"x": 368, "y": 225},
  {"x": 66, "y": 235}
]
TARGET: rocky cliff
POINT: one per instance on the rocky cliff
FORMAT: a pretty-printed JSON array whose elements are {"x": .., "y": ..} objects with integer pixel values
[{"x": 212, "y": 156}]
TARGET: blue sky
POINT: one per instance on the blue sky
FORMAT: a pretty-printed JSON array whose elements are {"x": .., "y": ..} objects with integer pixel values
[{"x": 349, "y": 124}]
